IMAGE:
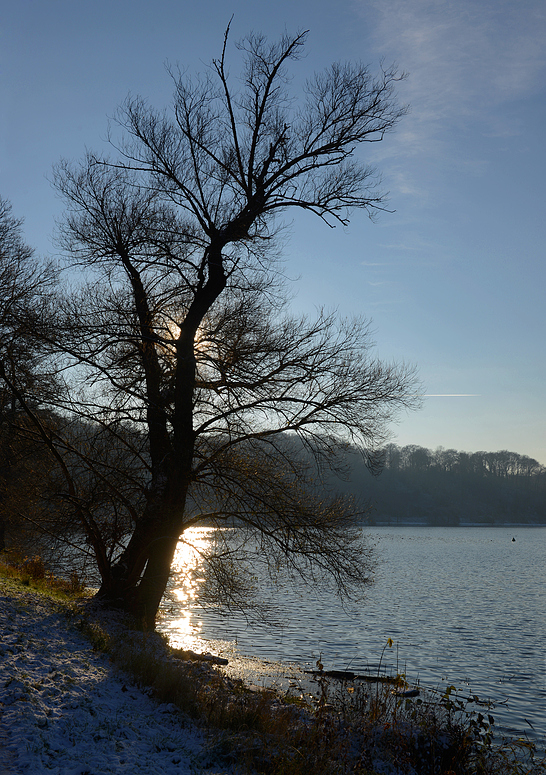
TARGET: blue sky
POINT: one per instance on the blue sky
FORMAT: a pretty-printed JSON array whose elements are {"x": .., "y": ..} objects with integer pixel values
[{"x": 453, "y": 280}]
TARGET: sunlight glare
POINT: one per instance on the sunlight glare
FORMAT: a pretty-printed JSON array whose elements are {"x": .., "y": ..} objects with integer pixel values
[{"x": 187, "y": 577}]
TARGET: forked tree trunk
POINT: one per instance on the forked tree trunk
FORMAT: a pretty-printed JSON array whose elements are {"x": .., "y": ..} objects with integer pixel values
[
  {"x": 154, "y": 580},
  {"x": 137, "y": 582}
]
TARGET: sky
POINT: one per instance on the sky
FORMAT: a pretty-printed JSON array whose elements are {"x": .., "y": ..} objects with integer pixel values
[{"x": 452, "y": 278}]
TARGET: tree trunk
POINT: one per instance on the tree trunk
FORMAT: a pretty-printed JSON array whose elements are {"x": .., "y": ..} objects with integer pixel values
[
  {"x": 137, "y": 581},
  {"x": 154, "y": 580}
]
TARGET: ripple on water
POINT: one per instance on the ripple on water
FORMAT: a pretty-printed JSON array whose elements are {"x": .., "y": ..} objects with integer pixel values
[{"x": 465, "y": 606}]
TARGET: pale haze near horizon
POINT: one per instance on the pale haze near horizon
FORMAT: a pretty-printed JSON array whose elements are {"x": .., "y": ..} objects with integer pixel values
[{"x": 453, "y": 279}]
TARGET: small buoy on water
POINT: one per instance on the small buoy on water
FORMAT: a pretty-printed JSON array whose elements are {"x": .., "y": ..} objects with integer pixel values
[{"x": 513, "y": 540}]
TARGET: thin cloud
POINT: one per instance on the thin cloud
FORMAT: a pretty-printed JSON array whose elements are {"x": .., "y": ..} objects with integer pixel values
[
  {"x": 404, "y": 246},
  {"x": 451, "y": 395},
  {"x": 464, "y": 58}
]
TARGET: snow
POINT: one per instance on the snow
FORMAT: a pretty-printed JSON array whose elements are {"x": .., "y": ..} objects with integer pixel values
[{"x": 66, "y": 710}]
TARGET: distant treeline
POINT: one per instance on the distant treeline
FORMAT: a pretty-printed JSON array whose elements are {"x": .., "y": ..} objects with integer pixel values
[{"x": 447, "y": 487}]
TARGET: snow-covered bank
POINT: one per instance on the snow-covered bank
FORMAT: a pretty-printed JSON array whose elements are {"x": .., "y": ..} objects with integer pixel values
[{"x": 65, "y": 710}]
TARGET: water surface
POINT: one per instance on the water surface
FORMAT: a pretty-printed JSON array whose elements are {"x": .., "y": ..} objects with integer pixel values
[{"x": 463, "y": 606}]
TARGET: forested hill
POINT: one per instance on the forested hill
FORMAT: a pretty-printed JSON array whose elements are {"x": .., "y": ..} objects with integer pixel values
[{"x": 446, "y": 487}]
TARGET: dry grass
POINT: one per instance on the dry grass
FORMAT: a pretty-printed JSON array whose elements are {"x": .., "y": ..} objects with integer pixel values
[{"x": 32, "y": 572}]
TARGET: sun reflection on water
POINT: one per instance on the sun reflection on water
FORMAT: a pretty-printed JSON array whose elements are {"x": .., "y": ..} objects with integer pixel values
[{"x": 178, "y": 617}]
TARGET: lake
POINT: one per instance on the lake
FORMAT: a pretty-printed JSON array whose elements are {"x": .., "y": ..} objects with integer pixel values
[{"x": 463, "y": 606}]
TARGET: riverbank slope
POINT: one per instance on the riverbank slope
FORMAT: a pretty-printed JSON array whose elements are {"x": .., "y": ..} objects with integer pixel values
[{"x": 65, "y": 709}]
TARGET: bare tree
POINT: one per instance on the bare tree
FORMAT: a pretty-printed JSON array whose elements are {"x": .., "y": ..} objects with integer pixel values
[
  {"x": 24, "y": 287},
  {"x": 177, "y": 336},
  {"x": 25, "y": 284}
]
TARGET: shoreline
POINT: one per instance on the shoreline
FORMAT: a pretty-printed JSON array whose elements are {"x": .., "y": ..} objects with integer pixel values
[
  {"x": 69, "y": 707},
  {"x": 493, "y": 525}
]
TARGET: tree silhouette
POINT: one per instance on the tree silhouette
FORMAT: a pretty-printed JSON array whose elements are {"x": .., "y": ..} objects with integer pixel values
[{"x": 178, "y": 335}]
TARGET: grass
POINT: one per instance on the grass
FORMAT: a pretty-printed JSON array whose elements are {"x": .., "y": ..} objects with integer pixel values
[
  {"x": 349, "y": 727},
  {"x": 30, "y": 571}
]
